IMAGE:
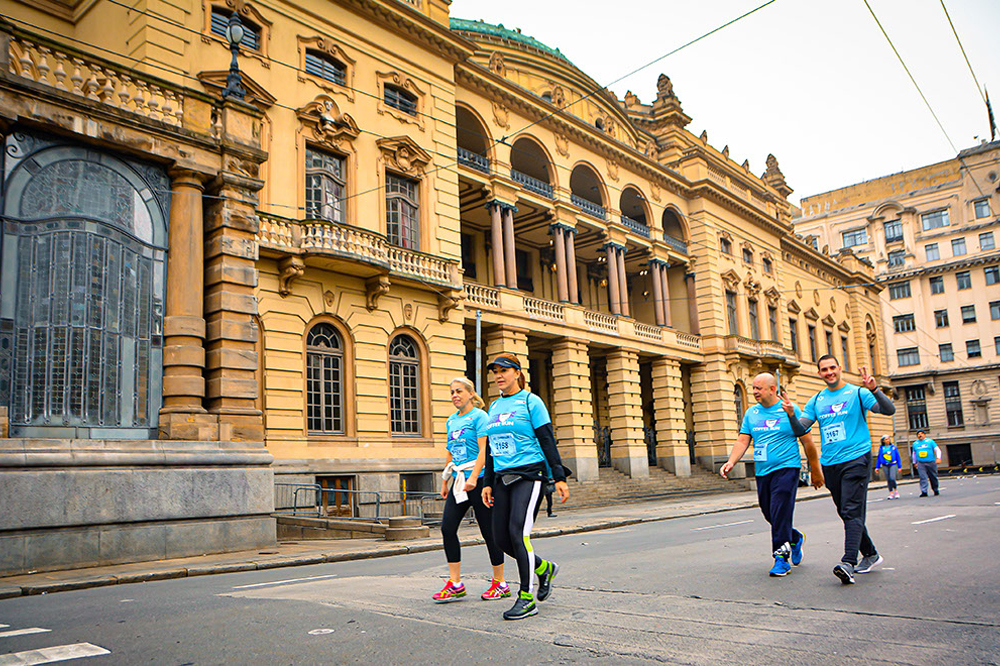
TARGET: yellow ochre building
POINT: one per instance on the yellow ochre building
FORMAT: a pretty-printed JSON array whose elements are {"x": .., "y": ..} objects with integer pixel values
[{"x": 204, "y": 294}]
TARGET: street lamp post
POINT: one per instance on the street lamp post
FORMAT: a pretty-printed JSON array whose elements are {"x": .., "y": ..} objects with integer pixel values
[{"x": 234, "y": 80}]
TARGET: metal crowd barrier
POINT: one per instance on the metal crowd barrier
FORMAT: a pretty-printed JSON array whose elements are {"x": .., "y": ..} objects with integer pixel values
[{"x": 311, "y": 499}]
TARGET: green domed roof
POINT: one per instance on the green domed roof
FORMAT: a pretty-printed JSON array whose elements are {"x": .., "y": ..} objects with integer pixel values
[{"x": 483, "y": 28}]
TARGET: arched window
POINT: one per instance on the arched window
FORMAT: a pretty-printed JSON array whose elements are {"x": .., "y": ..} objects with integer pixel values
[
  {"x": 401, "y": 99},
  {"x": 326, "y": 67},
  {"x": 402, "y": 212},
  {"x": 325, "y": 184},
  {"x": 324, "y": 380},
  {"x": 404, "y": 386},
  {"x": 738, "y": 402}
]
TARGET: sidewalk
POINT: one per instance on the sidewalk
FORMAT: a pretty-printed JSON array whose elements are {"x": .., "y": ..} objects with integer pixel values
[{"x": 299, "y": 553}]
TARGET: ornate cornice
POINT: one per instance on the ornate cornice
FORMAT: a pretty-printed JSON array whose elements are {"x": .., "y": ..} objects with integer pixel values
[{"x": 401, "y": 19}]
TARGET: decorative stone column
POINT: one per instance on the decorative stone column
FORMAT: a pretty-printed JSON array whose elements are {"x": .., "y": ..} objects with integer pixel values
[
  {"x": 572, "y": 412},
  {"x": 628, "y": 447},
  {"x": 714, "y": 411},
  {"x": 658, "y": 301},
  {"x": 665, "y": 283},
  {"x": 614, "y": 294},
  {"x": 562, "y": 281},
  {"x": 692, "y": 299},
  {"x": 499, "y": 271},
  {"x": 183, "y": 416},
  {"x": 668, "y": 408},
  {"x": 623, "y": 283},
  {"x": 505, "y": 339},
  {"x": 510, "y": 257},
  {"x": 574, "y": 282}
]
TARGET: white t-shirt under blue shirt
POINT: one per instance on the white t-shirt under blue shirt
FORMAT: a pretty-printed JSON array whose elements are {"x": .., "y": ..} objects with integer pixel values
[
  {"x": 774, "y": 445},
  {"x": 843, "y": 428},
  {"x": 511, "y": 430},
  {"x": 464, "y": 431}
]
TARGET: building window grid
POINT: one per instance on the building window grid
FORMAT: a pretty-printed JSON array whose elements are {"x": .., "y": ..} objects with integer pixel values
[
  {"x": 937, "y": 285},
  {"x": 916, "y": 407},
  {"x": 402, "y": 210},
  {"x": 768, "y": 265},
  {"x": 931, "y": 252},
  {"x": 812, "y": 343},
  {"x": 941, "y": 318},
  {"x": 904, "y": 323},
  {"x": 404, "y": 386},
  {"x": 772, "y": 319},
  {"x": 963, "y": 279},
  {"x": 731, "y": 313},
  {"x": 753, "y": 314},
  {"x": 899, "y": 290},
  {"x": 973, "y": 349},
  {"x": 400, "y": 99},
  {"x": 251, "y": 31},
  {"x": 829, "y": 343},
  {"x": 325, "y": 186},
  {"x": 946, "y": 352},
  {"x": 793, "y": 334},
  {"x": 908, "y": 356},
  {"x": 725, "y": 246},
  {"x": 968, "y": 314},
  {"x": 325, "y": 67},
  {"x": 982, "y": 208},
  {"x": 855, "y": 237},
  {"x": 845, "y": 348},
  {"x": 986, "y": 241},
  {"x": 747, "y": 256},
  {"x": 893, "y": 231},
  {"x": 935, "y": 220},
  {"x": 324, "y": 380},
  {"x": 996, "y": 345},
  {"x": 897, "y": 258},
  {"x": 992, "y": 274},
  {"x": 953, "y": 405},
  {"x": 957, "y": 247}
]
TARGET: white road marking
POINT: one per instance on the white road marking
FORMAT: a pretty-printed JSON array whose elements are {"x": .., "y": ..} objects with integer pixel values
[
  {"x": 49, "y": 655},
  {"x": 712, "y": 527},
  {"x": 23, "y": 632},
  {"x": 321, "y": 632},
  {"x": 284, "y": 582},
  {"x": 934, "y": 520}
]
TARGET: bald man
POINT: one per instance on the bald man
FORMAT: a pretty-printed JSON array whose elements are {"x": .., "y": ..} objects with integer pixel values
[{"x": 777, "y": 462}]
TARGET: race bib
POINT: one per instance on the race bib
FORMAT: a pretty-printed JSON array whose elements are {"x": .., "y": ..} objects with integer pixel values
[
  {"x": 923, "y": 454},
  {"x": 458, "y": 452},
  {"x": 833, "y": 433},
  {"x": 503, "y": 444},
  {"x": 759, "y": 452}
]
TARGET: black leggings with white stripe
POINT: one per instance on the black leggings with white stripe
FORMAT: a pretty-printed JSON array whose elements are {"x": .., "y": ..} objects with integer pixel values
[{"x": 514, "y": 510}]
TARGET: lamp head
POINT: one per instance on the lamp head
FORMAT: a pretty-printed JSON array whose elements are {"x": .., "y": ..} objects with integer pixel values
[{"x": 235, "y": 30}]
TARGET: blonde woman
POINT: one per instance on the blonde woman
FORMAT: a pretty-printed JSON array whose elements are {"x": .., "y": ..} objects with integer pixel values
[{"x": 466, "y": 459}]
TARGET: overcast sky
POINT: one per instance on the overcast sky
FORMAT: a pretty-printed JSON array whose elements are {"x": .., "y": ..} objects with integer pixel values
[{"x": 813, "y": 81}]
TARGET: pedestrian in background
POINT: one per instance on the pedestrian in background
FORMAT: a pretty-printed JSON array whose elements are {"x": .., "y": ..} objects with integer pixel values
[
  {"x": 926, "y": 456},
  {"x": 888, "y": 457}
]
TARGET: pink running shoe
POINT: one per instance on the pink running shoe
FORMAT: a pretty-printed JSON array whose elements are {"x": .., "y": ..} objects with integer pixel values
[
  {"x": 451, "y": 592},
  {"x": 498, "y": 590}
]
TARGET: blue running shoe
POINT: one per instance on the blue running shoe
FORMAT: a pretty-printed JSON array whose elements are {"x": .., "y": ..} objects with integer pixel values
[
  {"x": 797, "y": 550},
  {"x": 781, "y": 568}
]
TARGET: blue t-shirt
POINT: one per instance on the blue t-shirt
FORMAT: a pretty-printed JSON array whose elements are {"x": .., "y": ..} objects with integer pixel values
[
  {"x": 888, "y": 455},
  {"x": 923, "y": 450},
  {"x": 774, "y": 445},
  {"x": 464, "y": 432},
  {"x": 842, "y": 426},
  {"x": 511, "y": 430}
]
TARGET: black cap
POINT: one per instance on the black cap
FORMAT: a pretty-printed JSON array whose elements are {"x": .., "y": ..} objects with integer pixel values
[{"x": 503, "y": 362}]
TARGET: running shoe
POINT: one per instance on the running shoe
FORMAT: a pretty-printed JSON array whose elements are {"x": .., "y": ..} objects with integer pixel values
[
  {"x": 923, "y": 494},
  {"x": 545, "y": 580},
  {"x": 868, "y": 563},
  {"x": 937, "y": 492},
  {"x": 896, "y": 495},
  {"x": 845, "y": 572},
  {"x": 781, "y": 568},
  {"x": 498, "y": 590},
  {"x": 891, "y": 496},
  {"x": 797, "y": 550},
  {"x": 451, "y": 592},
  {"x": 524, "y": 607}
]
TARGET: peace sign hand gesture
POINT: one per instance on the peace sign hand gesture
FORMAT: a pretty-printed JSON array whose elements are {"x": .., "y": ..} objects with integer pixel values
[
  {"x": 867, "y": 380},
  {"x": 786, "y": 404}
]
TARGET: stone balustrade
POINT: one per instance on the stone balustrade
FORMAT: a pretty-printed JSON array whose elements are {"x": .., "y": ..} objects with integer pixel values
[
  {"x": 601, "y": 322},
  {"x": 477, "y": 294},
  {"x": 648, "y": 332},
  {"x": 755, "y": 348},
  {"x": 541, "y": 309},
  {"x": 422, "y": 267},
  {"x": 688, "y": 340},
  {"x": 97, "y": 80},
  {"x": 275, "y": 233}
]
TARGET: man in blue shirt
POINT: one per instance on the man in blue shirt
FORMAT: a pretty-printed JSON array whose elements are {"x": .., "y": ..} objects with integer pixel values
[
  {"x": 846, "y": 457},
  {"x": 926, "y": 456},
  {"x": 776, "y": 465}
]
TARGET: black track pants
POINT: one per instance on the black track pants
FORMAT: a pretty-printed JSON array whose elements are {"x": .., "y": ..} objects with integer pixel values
[
  {"x": 776, "y": 496},
  {"x": 514, "y": 510},
  {"x": 848, "y": 484},
  {"x": 453, "y": 515}
]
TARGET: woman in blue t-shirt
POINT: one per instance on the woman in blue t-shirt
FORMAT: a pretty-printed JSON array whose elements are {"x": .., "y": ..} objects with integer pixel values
[
  {"x": 888, "y": 457},
  {"x": 466, "y": 459},
  {"x": 521, "y": 442}
]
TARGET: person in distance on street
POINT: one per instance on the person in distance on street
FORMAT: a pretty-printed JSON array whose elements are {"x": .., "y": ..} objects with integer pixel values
[
  {"x": 926, "y": 456},
  {"x": 466, "y": 460},
  {"x": 846, "y": 455},
  {"x": 888, "y": 457},
  {"x": 776, "y": 466},
  {"x": 521, "y": 444}
]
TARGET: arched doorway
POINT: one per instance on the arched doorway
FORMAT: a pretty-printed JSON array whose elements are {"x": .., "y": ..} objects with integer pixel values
[{"x": 83, "y": 272}]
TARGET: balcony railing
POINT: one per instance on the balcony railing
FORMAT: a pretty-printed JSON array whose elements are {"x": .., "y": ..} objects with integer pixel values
[
  {"x": 589, "y": 207},
  {"x": 473, "y": 160},
  {"x": 635, "y": 226},
  {"x": 688, "y": 340},
  {"x": 477, "y": 294},
  {"x": 648, "y": 332},
  {"x": 676, "y": 243},
  {"x": 601, "y": 322},
  {"x": 755, "y": 348},
  {"x": 539, "y": 309},
  {"x": 532, "y": 184}
]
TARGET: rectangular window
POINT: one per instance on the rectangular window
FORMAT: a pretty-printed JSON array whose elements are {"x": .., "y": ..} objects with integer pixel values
[
  {"x": 845, "y": 348},
  {"x": 402, "y": 212},
  {"x": 916, "y": 407},
  {"x": 855, "y": 237},
  {"x": 725, "y": 246},
  {"x": 812, "y": 343},
  {"x": 937, "y": 285},
  {"x": 829, "y": 342},
  {"x": 768, "y": 268},
  {"x": 523, "y": 264},
  {"x": 972, "y": 349},
  {"x": 996, "y": 345},
  {"x": 325, "y": 67},
  {"x": 899, "y": 290},
  {"x": 992, "y": 274},
  {"x": 968, "y": 314},
  {"x": 734, "y": 328},
  {"x": 946, "y": 353},
  {"x": 986, "y": 241},
  {"x": 931, "y": 252},
  {"x": 893, "y": 231},
  {"x": 941, "y": 318},
  {"x": 752, "y": 312},
  {"x": 908, "y": 356},
  {"x": 793, "y": 334},
  {"x": 994, "y": 310},
  {"x": 747, "y": 256},
  {"x": 772, "y": 319},
  {"x": 905, "y": 323},
  {"x": 251, "y": 33},
  {"x": 400, "y": 99},
  {"x": 897, "y": 258},
  {"x": 953, "y": 405},
  {"x": 935, "y": 220},
  {"x": 957, "y": 247},
  {"x": 325, "y": 186},
  {"x": 963, "y": 279},
  {"x": 982, "y": 208},
  {"x": 469, "y": 256}
]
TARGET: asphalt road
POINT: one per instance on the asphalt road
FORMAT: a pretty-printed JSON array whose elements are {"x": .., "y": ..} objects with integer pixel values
[{"x": 684, "y": 591}]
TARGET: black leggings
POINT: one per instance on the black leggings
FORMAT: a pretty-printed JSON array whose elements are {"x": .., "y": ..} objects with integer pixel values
[
  {"x": 453, "y": 515},
  {"x": 514, "y": 510},
  {"x": 848, "y": 484}
]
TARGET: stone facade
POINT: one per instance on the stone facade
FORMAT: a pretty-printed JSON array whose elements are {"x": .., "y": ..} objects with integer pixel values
[{"x": 931, "y": 234}]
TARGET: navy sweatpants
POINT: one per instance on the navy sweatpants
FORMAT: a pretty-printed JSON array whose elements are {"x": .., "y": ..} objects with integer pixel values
[
  {"x": 776, "y": 496},
  {"x": 848, "y": 484}
]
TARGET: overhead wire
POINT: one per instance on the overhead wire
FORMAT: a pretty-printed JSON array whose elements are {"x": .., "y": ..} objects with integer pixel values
[{"x": 979, "y": 88}]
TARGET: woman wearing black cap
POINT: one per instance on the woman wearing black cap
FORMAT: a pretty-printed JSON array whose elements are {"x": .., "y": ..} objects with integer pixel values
[{"x": 521, "y": 442}]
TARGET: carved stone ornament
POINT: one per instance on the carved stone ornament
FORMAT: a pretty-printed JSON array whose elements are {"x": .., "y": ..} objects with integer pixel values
[
  {"x": 289, "y": 270},
  {"x": 408, "y": 311},
  {"x": 448, "y": 301},
  {"x": 328, "y": 299},
  {"x": 562, "y": 145},
  {"x": 844, "y": 327},
  {"x": 812, "y": 314},
  {"x": 833, "y": 304},
  {"x": 402, "y": 154},
  {"x": 793, "y": 307},
  {"x": 816, "y": 296},
  {"x": 731, "y": 280},
  {"x": 497, "y": 65},
  {"x": 613, "y": 170},
  {"x": 725, "y": 151},
  {"x": 979, "y": 387},
  {"x": 650, "y": 149},
  {"x": 752, "y": 286},
  {"x": 798, "y": 289},
  {"x": 664, "y": 88},
  {"x": 375, "y": 288},
  {"x": 654, "y": 190},
  {"x": 631, "y": 99},
  {"x": 559, "y": 96},
  {"x": 327, "y": 125},
  {"x": 704, "y": 137},
  {"x": 500, "y": 115},
  {"x": 828, "y": 321},
  {"x": 772, "y": 295}
]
